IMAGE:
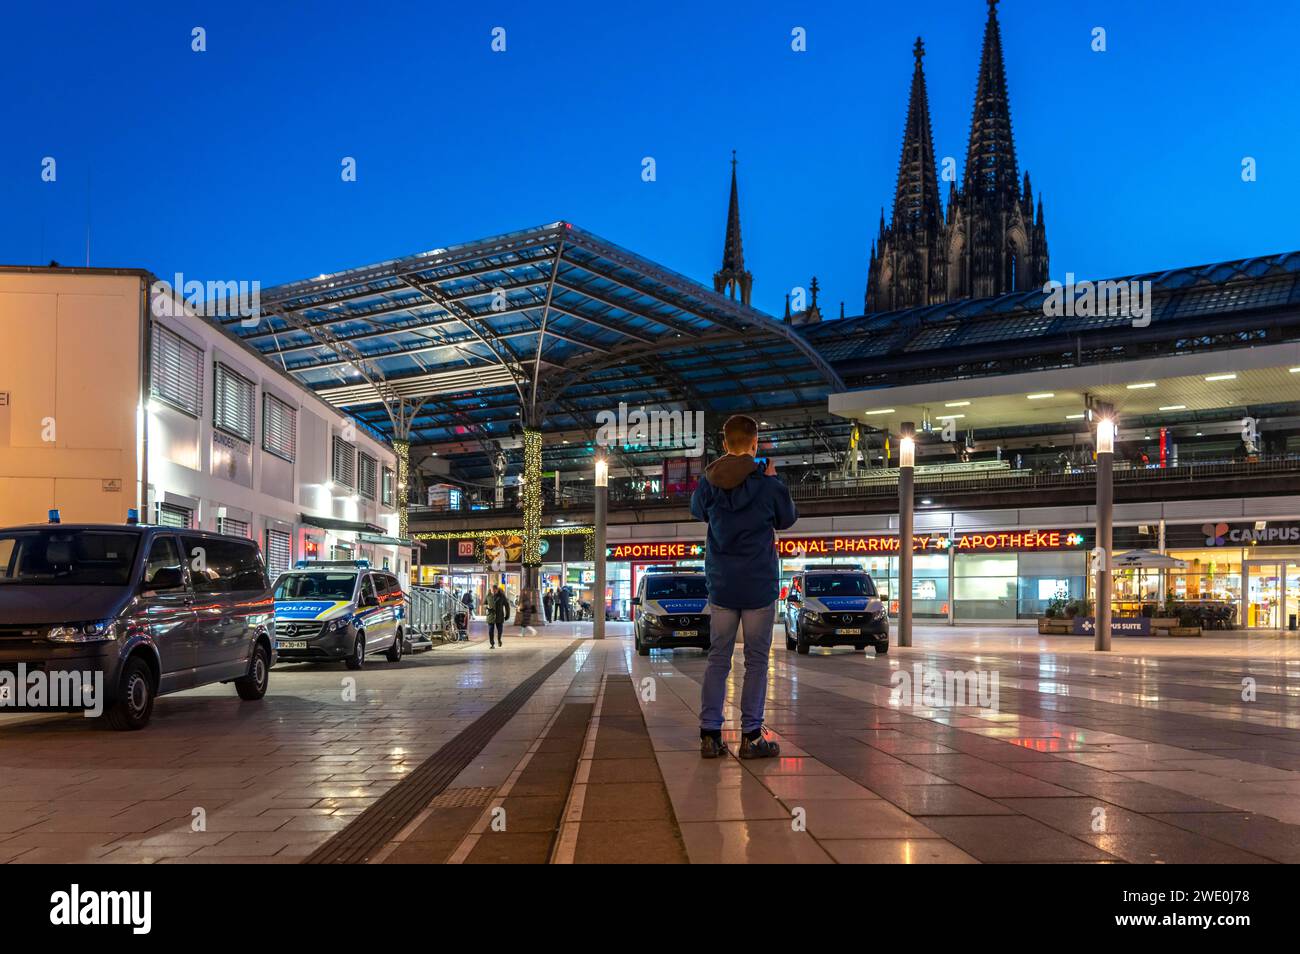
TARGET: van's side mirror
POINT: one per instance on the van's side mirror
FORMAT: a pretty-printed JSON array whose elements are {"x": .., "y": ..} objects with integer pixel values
[
  {"x": 166, "y": 578},
  {"x": 636, "y": 601}
]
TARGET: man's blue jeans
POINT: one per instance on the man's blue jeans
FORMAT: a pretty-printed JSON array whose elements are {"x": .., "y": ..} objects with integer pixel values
[{"x": 722, "y": 643}]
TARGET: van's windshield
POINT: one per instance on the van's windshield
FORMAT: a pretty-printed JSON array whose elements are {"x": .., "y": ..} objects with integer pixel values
[
  {"x": 315, "y": 586},
  {"x": 850, "y": 584},
  {"x": 676, "y": 587},
  {"x": 61, "y": 557}
]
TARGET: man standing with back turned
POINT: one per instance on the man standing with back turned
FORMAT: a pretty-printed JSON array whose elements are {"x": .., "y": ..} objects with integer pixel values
[{"x": 744, "y": 504}]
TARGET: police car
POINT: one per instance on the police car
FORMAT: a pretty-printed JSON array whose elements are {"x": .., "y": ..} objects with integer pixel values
[
  {"x": 338, "y": 609},
  {"x": 672, "y": 610},
  {"x": 835, "y": 606}
]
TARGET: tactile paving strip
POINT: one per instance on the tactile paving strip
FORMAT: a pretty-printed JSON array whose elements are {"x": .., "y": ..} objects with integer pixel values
[{"x": 395, "y": 809}]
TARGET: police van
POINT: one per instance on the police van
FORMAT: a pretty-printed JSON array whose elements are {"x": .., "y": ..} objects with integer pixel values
[
  {"x": 835, "y": 606},
  {"x": 338, "y": 610},
  {"x": 671, "y": 609}
]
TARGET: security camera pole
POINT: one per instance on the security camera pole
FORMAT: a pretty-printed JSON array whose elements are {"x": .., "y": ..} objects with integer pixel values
[
  {"x": 602, "y": 511},
  {"x": 906, "y": 461},
  {"x": 1105, "y": 516}
]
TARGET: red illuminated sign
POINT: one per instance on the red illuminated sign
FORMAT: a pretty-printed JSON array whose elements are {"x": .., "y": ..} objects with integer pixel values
[
  {"x": 655, "y": 551},
  {"x": 798, "y": 547}
]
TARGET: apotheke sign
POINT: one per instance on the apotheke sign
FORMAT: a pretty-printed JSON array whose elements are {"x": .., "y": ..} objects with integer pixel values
[
  {"x": 994, "y": 541},
  {"x": 1244, "y": 534}
]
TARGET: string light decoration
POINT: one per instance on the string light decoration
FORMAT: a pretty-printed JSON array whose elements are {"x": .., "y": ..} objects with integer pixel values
[
  {"x": 532, "y": 491},
  {"x": 403, "y": 501}
]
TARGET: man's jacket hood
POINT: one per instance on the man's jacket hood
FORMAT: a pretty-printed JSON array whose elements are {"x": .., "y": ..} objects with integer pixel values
[
  {"x": 743, "y": 508},
  {"x": 729, "y": 472}
]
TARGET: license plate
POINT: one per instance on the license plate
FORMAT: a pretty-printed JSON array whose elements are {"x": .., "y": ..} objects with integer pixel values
[
  {"x": 291, "y": 644},
  {"x": 686, "y": 633},
  {"x": 848, "y": 632}
]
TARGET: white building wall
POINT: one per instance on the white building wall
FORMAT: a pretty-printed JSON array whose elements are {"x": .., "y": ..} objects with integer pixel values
[{"x": 190, "y": 463}]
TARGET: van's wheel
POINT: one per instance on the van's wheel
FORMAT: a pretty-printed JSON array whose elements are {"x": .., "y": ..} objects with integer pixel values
[
  {"x": 358, "y": 657},
  {"x": 642, "y": 650},
  {"x": 801, "y": 644},
  {"x": 394, "y": 653},
  {"x": 789, "y": 643},
  {"x": 859, "y": 647},
  {"x": 135, "y": 696},
  {"x": 882, "y": 648},
  {"x": 253, "y": 686}
]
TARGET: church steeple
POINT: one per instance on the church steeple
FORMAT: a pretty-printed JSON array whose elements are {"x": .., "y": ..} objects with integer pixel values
[
  {"x": 732, "y": 279},
  {"x": 916, "y": 197},
  {"x": 991, "y": 154}
]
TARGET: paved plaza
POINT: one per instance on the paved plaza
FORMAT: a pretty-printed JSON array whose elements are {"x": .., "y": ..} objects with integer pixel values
[{"x": 557, "y": 748}]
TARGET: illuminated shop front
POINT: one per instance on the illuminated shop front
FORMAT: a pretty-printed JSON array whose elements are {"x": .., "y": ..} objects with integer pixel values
[
  {"x": 474, "y": 561},
  {"x": 1251, "y": 568},
  {"x": 997, "y": 574}
]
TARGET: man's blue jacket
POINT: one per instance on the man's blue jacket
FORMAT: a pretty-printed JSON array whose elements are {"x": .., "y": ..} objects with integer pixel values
[{"x": 744, "y": 508}]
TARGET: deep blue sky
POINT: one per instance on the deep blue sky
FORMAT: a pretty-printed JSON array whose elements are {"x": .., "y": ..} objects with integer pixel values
[{"x": 226, "y": 164}]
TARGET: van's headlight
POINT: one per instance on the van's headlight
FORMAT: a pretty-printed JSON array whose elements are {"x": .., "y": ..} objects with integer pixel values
[
  {"x": 104, "y": 631},
  {"x": 812, "y": 616},
  {"x": 879, "y": 611},
  {"x": 336, "y": 626}
]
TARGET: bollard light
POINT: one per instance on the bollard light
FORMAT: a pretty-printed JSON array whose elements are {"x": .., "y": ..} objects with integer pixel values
[
  {"x": 906, "y": 451},
  {"x": 1105, "y": 436}
]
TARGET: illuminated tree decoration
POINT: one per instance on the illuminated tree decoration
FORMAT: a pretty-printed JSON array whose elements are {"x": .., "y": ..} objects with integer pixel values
[
  {"x": 532, "y": 490},
  {"x": 403, "y": 450}
]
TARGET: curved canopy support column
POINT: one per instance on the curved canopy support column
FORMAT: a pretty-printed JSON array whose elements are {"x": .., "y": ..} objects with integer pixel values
[{"x": 530, "y": 583}]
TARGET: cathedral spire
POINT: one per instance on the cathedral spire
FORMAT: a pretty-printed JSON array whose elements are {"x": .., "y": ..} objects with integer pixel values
[
  {"x": 916, "y": 197},
  {"x": 991, "y": 155},
  {"x": 732, "y": 279}
]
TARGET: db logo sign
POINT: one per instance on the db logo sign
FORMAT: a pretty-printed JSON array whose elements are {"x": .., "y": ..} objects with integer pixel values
[{"x": 465, "y": 548}]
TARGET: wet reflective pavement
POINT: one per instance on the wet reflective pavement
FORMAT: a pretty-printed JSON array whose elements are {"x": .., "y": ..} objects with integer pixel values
[{"x": 976, "y": 745}]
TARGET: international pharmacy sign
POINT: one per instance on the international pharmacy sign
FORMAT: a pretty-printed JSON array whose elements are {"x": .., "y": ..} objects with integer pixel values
[{"x": 994, "y": 541}]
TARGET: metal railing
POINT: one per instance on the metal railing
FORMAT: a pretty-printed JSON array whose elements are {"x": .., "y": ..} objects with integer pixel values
[
  {"x": 432, "y": 613},
  {"x": 946, "y": 480}
]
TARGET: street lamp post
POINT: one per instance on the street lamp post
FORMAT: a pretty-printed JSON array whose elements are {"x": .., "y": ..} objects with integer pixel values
[
  {"x": 1105, "y": 517},
  {"x": 602, "y": 515},
  {"x": 906, "y": 462}
]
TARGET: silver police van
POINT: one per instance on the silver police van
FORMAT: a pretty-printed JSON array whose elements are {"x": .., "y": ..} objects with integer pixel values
[{"x": 339, "y": 610}]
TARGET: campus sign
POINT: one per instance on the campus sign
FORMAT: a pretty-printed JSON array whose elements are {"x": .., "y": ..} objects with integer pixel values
[
  {"x": 1245, "y": 534},
  {"x": 993, "y": 541}
]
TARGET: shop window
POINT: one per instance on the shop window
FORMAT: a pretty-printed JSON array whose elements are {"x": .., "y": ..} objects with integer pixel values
[
  {"x": 1043, "y": 577},
  {"x": 986, "y": 586}
]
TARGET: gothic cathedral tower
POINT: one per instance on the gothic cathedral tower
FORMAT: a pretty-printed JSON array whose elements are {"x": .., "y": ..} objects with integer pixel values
[
  {"x": 992, "y": 240},
  {"x": 732, "y": 279}
]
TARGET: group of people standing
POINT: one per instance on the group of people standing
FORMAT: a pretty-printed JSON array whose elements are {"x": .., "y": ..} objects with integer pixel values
[{"x": 558, "y": 604}]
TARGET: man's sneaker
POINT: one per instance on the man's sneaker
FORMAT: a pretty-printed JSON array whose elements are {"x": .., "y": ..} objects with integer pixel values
[
  {"x": 712, "y": 747},
  {"x": 758, "y": 748}
]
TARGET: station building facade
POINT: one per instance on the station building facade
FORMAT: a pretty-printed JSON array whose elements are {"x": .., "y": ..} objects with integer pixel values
[{"x": 116, "y": 395}]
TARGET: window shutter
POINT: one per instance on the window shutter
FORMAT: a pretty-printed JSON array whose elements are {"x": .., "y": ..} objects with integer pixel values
[
  {"x": 232, "y": 409},
  {"x": 176, "y": 371},
  {"x": 279, "y": 427},
  {"x": 232, "y": 527},
  {"x": 344, "y": 467},
  {"x": 278, "y": 553},
  {"x": 366, "y": 466},
  {"x": 170, "y": 515}
]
